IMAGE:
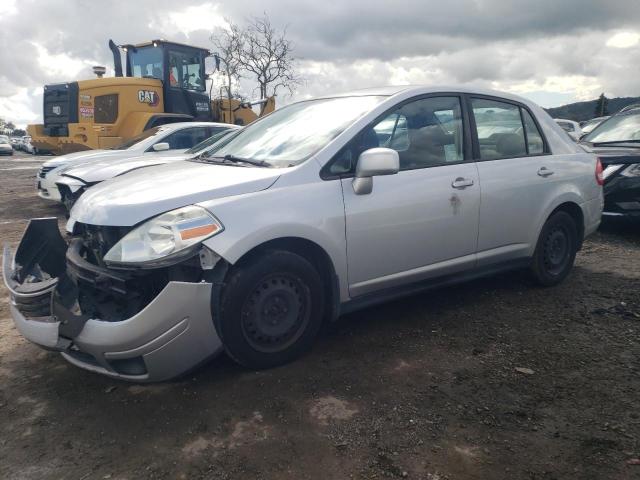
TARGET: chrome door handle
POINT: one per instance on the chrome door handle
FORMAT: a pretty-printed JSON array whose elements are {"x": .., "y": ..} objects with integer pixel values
[
  {"x": 461, "y": 183},
  {"x": 545, "y": 172}
]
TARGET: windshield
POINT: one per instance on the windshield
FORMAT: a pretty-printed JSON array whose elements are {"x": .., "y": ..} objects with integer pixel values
[
  {"x": 619, "y": 128},
  {"x": 137, "y": 139},
  {"x": 146, "y": 62},
  {"x": 202, "y": 146},
  {"x": 294, "y": 133}
]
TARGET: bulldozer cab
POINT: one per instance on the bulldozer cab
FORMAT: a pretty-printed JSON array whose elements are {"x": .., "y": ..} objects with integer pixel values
[{"x": 181, "y": 68}]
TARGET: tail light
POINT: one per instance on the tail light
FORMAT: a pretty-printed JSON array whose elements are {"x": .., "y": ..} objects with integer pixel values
[{"x": 599, "y": 173}]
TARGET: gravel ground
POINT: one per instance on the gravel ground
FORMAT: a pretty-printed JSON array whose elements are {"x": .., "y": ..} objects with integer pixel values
[{"x": 495, "y": 379}]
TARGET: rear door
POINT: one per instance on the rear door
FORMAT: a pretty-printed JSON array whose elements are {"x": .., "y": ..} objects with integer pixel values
[
  {"x": 517, "y": 173},
  {"x": 423, "y": 221}
]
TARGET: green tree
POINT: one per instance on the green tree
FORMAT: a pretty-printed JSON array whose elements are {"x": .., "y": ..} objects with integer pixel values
[{"x": 602, "y": 106}]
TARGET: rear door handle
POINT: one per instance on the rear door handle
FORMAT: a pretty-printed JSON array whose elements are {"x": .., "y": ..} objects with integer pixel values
[
  {"x": 545, "y": 172},
  {"x": 461, "y": 183}
]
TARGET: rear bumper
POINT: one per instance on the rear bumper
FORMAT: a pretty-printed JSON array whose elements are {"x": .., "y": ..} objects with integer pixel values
[
  {"x": 167, "y": 338},
  {"x": 592, "y": 211}
]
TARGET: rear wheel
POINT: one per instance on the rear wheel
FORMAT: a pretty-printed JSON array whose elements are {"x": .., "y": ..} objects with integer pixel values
[
  {"x": 271, "y": 309},
  {"x": 556, "y": 250}
]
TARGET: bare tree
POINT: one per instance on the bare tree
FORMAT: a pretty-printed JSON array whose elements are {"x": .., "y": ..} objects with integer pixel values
[
  {"x": 267, "y": 54},
  {"x": 228, "y": 43}
]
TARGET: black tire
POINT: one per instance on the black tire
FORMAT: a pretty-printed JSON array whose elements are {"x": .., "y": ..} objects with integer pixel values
[
  {"x": 271, "y": 309},
  {"x": 556, "y": 250}
]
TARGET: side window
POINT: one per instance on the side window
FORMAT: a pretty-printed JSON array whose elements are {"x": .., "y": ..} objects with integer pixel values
[
  {"x": 185, "y": 70},
  {"x": 425, "y": 133},
  {"x": 535, "y": 144},
  {"x": 106, "y": 108},
  {"x": 186, "y": 138},
  {"x": 500, "y": 129}
]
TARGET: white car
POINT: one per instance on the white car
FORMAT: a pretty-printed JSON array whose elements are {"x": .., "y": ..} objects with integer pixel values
[
  {"x": 175, "y": 137},
  {"x": 571, "y": 127},
  {"x": 5, "y": 145},
  {"x": 75, "y": 181},
  {"x": 27, "y": 146},
  {"x": 320, "y": 208}
]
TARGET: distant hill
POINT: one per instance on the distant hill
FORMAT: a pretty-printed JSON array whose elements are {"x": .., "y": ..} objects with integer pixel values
[{"x": 581, "y": 111}]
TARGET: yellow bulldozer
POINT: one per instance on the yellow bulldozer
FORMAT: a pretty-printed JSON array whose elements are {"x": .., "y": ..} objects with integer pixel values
[{"x": 163, "y": 82}]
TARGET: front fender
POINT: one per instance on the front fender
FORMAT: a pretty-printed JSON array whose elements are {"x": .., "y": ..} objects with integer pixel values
[{"x": 253, "y": 219}]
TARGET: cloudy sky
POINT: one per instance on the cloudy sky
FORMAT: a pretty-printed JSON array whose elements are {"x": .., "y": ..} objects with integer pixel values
[{"x": 552, "y": 51}]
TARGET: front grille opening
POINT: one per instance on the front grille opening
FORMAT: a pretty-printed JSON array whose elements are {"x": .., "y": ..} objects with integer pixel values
[
  {"x": 100, "y": 295},
  {"x": 44, "y": 170},
  {"x": 129, "y": 366}
]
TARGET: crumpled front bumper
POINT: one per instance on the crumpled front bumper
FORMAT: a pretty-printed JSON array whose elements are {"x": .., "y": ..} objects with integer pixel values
[{"x": 168, "y": 337}]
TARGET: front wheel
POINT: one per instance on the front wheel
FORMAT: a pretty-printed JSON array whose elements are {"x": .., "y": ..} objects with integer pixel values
[
  {"x": 271, "y": 309},
  {"x": 556, "y": 250}
]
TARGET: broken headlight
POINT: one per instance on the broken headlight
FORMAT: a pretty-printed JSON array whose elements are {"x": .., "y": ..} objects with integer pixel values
[{"x": 172, "y": 234}]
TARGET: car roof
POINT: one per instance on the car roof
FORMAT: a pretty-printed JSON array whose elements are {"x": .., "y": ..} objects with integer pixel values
[{"x": 391, "y": 90}]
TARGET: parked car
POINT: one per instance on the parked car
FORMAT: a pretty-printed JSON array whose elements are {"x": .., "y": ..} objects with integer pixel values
[
  {"x": 571, "y": 127},
  {"x": 27, "y": 146},
  {"x": 76, "y": 180},
  {"x": 315, "y": 210},
  {"x": 5, "y": 145},
  {"x": 172, "y": 138},
  {"x": 591, "y": 124},
  {"x": 617, "y": 142}
]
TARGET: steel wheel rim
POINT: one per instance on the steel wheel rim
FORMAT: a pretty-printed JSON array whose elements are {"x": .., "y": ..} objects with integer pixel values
[
  {"x": 276, "y": 313},
  {"x": 556, "y": 250}
]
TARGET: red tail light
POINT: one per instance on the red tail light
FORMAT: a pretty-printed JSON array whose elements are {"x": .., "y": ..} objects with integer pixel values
[{"x": 599, "y": 173}]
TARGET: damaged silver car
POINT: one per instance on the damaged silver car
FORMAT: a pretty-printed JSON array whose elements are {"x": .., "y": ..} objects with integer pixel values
[{"x": 323, "y": 207}]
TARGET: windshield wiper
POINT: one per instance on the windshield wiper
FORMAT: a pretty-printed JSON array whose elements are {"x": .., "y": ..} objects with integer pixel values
[
  {"x": 250, "y": 161},
  {"x": 203, "y": 157}
]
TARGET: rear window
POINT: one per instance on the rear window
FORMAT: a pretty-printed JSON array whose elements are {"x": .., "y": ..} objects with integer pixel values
[{"x": 106, "y": 108}]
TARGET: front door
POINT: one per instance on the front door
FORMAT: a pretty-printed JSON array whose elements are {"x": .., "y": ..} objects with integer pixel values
[{"x": 423, "y": 221}]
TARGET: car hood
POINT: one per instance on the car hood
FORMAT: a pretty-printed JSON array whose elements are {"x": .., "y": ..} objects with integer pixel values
[
  {"x": 84, "y": 156},
  {"x": 104, "y": 169},
  {"x": 144, "y": 193}
]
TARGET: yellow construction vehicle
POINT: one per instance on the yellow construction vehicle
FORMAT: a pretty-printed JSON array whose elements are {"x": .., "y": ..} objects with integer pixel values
[{"x": 164, "y": 82}]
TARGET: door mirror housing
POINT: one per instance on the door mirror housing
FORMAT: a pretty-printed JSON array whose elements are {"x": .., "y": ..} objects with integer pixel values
[
  {"x": 160, "y": 147},
  {"x": 372, "y": 163}
]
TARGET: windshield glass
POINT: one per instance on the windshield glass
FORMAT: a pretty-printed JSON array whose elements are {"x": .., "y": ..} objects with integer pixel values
[
  {"x": 618, "y": 128},
  {"x": 146, "y": 62},
  {"x": 294, "y": 133},
  {"x": 202, "y": 146},
  {"x": 137, "y": 139}
]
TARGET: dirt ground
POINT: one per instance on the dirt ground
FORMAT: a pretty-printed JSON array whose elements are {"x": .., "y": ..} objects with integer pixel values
[{"x": 495, "y": 379}]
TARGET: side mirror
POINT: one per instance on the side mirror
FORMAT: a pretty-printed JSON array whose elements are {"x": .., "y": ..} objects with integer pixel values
[
  {"x": 160, "y": 147},
  {"x": 371, "y": 163}
]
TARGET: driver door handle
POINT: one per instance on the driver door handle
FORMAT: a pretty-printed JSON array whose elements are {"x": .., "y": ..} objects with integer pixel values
[
  {"x": 461, "y": 183},
  {"x": 545, "y": 172}
]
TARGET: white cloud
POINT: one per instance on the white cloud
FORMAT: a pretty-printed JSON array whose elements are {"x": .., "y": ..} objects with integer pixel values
[
  {"x": 61, "y": 64},
  {"x": 624, "y": 40},
  {"x": 7, "y": 7},
  {"x": 194, "y": 18}
]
